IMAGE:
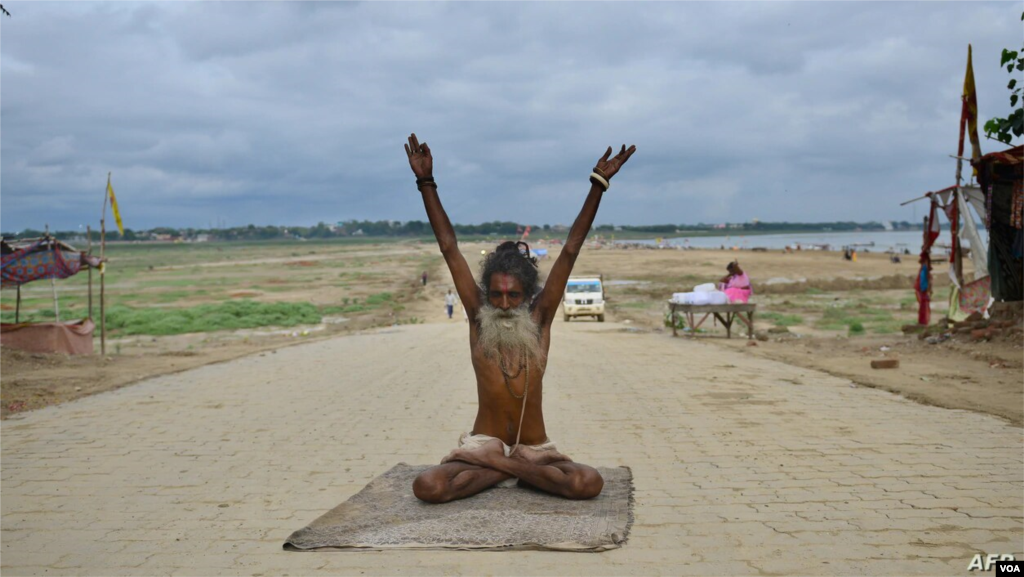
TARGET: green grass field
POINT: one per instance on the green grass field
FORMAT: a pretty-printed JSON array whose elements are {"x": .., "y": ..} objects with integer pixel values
[{"x": 166, "y": 288}]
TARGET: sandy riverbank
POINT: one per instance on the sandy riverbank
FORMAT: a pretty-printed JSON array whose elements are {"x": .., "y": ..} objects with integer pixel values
[{"x": 809, "y": 301}]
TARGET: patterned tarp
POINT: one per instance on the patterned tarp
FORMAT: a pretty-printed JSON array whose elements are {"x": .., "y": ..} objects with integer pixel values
[{"x": 40, "y": 260}]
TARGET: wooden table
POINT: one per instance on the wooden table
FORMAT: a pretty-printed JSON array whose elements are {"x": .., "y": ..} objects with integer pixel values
[{"x": 741, "y": 311}]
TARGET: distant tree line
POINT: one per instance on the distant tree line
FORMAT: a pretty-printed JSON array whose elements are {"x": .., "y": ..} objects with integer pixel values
[
  {"x": 419, "y": 228},
  {"x": 322, "y": 230}
]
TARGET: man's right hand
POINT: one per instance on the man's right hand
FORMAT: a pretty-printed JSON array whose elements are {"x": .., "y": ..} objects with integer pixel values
[{"x": 420, "y": 161}]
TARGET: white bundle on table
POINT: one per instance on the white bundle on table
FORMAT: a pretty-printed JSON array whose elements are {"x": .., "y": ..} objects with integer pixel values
[
  {"x": 705, "y": 294},
  {"x": 700, "y": 298},
  {"x": 718, "y": 298},
  {"x": 681, "y": 298}
]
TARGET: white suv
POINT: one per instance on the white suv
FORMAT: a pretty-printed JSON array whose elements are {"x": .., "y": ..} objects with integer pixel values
[{"x": 584, "y": 297}]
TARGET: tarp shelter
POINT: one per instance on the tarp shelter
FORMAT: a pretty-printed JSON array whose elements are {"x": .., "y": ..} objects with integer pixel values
[
  {"x": 1001, "y": 176},
  {"x": 44, "y": 258},
  {"x": 967, "y": 295}
]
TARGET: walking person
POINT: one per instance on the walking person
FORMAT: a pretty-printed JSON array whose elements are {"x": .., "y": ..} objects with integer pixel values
[{"x": 449, "y": 302}]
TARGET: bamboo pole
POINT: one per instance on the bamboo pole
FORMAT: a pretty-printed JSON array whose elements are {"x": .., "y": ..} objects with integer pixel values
[
  {"x": 17, "y": 309},
  {"x": 56, "y": 306},
  {"x": 88, "y": 232},
  {"x": 915, "y": 199},
  {"x": 53, "y": 282},
  {"x": 103, "y": 251}
]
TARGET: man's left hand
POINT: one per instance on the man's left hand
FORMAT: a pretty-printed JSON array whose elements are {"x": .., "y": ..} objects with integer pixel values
[
  {"x": 607, "y": 167},
  {"x": 481, "y": 456}
]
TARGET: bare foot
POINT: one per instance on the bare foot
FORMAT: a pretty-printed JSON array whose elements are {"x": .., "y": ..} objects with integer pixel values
[
  {"x": 478, "y": 456},
  {"x": 539, "y": 457}
]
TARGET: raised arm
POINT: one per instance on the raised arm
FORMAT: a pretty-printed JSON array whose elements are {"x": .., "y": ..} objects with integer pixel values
[
  {"x": 547, "y": 302},
  {"x": 422, "y": 164}
]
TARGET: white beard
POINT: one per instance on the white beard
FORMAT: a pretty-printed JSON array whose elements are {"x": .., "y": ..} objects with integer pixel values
[{"x": 509, "y": 333}]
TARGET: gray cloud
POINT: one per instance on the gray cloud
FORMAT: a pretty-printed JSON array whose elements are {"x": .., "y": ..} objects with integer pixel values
[{"x": 294, "y": 113}]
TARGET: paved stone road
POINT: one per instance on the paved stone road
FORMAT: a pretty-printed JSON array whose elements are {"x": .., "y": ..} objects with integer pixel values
[{"x": 742, "y": 466}]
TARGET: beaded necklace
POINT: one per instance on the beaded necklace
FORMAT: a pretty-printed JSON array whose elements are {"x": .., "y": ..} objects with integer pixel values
[
  {"x": 523, "y": 364},
  {"x": 509, "y": 378}
]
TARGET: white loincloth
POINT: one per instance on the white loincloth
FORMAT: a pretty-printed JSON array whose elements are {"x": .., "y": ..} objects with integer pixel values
[{"x": 469, "y": 442}]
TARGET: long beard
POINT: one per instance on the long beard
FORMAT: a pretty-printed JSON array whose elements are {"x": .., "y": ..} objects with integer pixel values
[{"x": 509, "y": 333}]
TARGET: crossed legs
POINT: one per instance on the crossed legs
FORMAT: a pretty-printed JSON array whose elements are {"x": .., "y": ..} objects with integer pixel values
[{"x": 468, "y": 472}]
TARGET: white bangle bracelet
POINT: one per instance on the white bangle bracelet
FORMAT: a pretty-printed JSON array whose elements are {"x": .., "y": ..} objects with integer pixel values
[{"x": 600, "y": 179}]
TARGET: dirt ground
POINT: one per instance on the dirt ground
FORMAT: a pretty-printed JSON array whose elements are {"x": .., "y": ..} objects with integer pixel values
[
  {"x": 807, "y": 303},
  {"x": 323, "y": 274},
  {"x": 806, "y": 286}
]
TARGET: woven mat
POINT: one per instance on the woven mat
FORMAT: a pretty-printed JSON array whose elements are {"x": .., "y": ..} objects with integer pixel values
[{"x": 386, "y": 515}]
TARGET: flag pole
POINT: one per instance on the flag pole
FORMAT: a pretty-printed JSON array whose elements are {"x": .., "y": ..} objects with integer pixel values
[
  {"x": 969, "y": 129},
  {"x": 964, "y": 111},
  {"x": 103, "y": 266}
]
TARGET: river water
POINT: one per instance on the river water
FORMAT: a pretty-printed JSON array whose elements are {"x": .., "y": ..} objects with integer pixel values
[{"x": 879, "y": 241}]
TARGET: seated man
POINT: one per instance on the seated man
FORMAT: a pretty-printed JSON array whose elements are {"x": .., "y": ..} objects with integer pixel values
[{"x": 509, "y": 338}]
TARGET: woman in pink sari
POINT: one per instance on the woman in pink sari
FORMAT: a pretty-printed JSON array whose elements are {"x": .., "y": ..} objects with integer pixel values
[{"x": 736, "y": 284}]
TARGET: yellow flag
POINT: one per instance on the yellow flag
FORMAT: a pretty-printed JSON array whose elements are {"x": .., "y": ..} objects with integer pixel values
[
  {"x": 113, "y": 207},
  {"x": 969, "y": 114}
]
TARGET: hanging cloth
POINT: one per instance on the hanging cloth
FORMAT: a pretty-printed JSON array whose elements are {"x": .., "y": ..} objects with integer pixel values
[
  {"x": 954, "y": 313},
  {"x": 952, "y": 211},
  {"x": 922, "y": 286},
  {"x": 976, "y": 199},
  {"x": 976, "y": 296},
  {"x": 969, "y": 232},
  {"x": 932, "y": 232}
]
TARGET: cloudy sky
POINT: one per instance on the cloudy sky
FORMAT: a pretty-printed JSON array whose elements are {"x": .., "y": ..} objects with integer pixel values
[{"x": 294, "y": 113}]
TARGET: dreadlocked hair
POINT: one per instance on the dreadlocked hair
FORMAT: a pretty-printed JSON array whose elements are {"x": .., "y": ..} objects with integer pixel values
[{"x": 512, "y": 260}]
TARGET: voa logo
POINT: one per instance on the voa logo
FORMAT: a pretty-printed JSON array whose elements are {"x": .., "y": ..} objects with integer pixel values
[{"x": 984, "y": 562}]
